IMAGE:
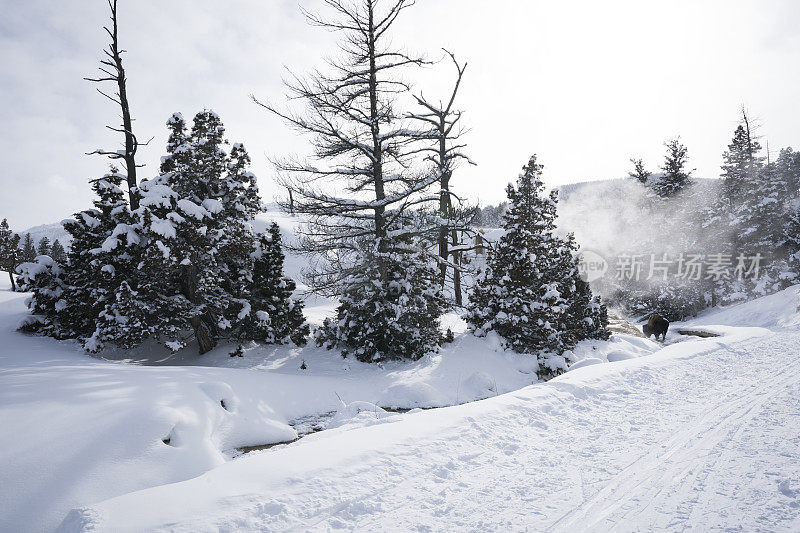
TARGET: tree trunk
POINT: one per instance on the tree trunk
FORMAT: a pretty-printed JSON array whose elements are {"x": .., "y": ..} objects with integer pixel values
[
  {"x": 11, "y": 277},
  {"x": 457, "y": 271},
  {"x": 444, "y": 251},
  {"x": 204, "y": 328},
  {"x": 206, "y": 339},
  {"x": 127, "y": 123},
  {"x": 444, "y": 197},
  {"x": 377, "y": 152}
]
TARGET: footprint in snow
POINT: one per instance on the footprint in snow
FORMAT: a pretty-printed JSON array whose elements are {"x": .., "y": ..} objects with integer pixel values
[{"x": 786, "y": 490}]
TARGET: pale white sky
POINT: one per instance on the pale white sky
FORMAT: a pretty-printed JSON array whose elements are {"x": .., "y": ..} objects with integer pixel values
[{"x": 585, "y": 84}]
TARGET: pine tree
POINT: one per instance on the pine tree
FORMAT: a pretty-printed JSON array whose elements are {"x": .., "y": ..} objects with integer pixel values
[
  {"x": 791, "y": 237},
  {"x": 788, "y": 165},
  {"x": 675, "y": 178},
  {"x": 275, "y": 316},
  {"x": 115, "y": 260},
  {"x": 587, "y": 315},
  {"x": 44, "y": 278},
  {"x": 741, "y": 165},
  {"x": 725, "y": 216},
  {"x": 57, "y": 252},
  {"x": 28, "y": 249},
  {"x": 766, "y": 213},
  {"x": 755, "y": 198},
  {"x": 44, "y": 246},
  {"x": 388, "y": 315},
  {"x": 181, "y": 222},
  {"x": 639, "y": 173},
  {"x": 200, "y": 255},
  {"x": 98, "y": 261},
  {"x": 531, "y": 293},
  {"x": 359, "y": 187},
  {"x": 9, "y": 252}
]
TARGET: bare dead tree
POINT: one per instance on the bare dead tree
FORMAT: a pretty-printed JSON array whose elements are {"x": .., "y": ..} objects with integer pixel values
[
  {"x": 358, "y": 186},
  {"x": 112, "y": 71},
  {"x": 442, "y": 128},
  {"x": 750, "y": 127}
]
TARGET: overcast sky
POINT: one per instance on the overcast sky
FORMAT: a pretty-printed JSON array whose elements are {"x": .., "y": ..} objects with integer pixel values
[{"x": 586, "y": 85}]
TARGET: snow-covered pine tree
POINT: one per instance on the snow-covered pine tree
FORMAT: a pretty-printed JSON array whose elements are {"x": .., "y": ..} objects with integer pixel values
[
  {"x": 388, "y": 315},
  {"x": 181, "y": 221},
  {"x": 28, "y": 249},
  {"x": 788, "y": 164},
  {"x": 9, "y": 251},
  {"x": 742, "y": 163},
  {"x": 43, "y": 247},
  {"x": 639, "y": 172},
  {"x": 358, "y": 190},
  {"x": 199, "y": 251},
  {"x": 531, "y": 293},
  {"x": 675, "y": 177},
  {"x": 762, "y": 215},
  {"x": 65, "y": 298},
  {"x": 275, "y": 317},
  {"x": 96, "y": 262},
  {"x": 44, "y": 278},
  {"x": 587, "y": 314},
  {"x": 114, "y": 262},
  {"x": 57, "y": 252},
  {"x": 236, "y": 243}
]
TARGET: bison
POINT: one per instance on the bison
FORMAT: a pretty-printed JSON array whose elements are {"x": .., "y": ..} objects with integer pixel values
[{"x": 656, "y": 326}]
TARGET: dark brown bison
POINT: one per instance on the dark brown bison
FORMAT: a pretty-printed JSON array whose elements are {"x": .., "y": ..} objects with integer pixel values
[{"x": 656, "y": 326}]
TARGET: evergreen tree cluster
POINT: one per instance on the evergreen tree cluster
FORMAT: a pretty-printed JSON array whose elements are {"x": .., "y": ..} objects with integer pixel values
[
  {"x": 174, "y": 258},
  {"x": 752, "y": 210},
  {"x": 531, "y": 293},
  {"x": 490, "y": 216},
  {"x": 185, "y": 264}
]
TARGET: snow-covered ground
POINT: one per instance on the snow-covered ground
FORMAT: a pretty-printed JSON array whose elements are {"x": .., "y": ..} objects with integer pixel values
[
  {"x": 77, "y": 430},
  {"x": 660, "y": 438},
  {"x": 701, "y": 435}
]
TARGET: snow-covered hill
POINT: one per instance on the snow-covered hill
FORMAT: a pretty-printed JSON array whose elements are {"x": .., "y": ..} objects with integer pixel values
[{"x": 51, "y": 231}]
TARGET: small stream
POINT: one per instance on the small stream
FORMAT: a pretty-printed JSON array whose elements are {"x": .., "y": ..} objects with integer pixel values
[
  {"x": 310, "y": 424},
  {"x": 697, "y": 333}
]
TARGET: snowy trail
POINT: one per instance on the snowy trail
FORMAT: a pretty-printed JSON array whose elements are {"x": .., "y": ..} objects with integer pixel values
[
  {"x": 670, "y": 481},
  {"x": 702, "y": 435}
]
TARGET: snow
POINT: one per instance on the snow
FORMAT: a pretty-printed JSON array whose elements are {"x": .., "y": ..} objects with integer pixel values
[
  {"x": 78, "y": 430},
  {"x": 192, "y": 209},
  {"x": 212, "y": 205},
  {"x": 165, "y": 228},
  {"x": 702, "y": 435},
  {"x": 779, "y": 310},
  {"x": 692, "y": 433}
]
